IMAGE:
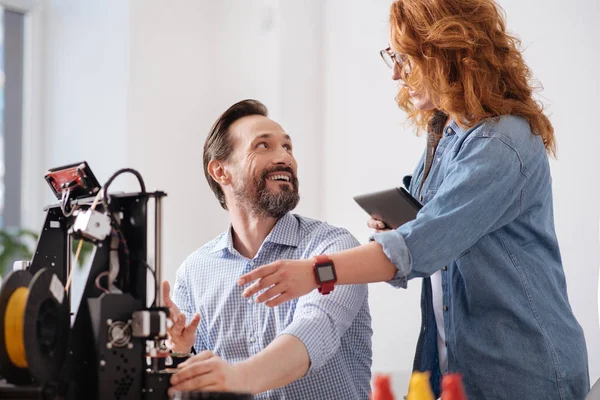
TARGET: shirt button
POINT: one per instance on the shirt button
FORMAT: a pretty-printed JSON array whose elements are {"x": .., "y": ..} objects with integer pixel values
[
  {"x": 421, "y": 198},
  {"x": 445, "y": 268},
  {"x": 445, "y": 308},
  {"x": 448, "y": 130},
  {"x": 250, "y": 301},
  {"x": 251, "y": 263},
  {"x": 252, "y": 340}
]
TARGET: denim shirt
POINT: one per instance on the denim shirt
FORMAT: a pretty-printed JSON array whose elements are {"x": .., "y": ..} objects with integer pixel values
[{"x": 487, "y": 223}]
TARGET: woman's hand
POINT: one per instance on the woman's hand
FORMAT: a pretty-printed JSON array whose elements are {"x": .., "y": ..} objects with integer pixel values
[
  {"x": 284, "y": 280},
  {"x": 377, "y": 225}
]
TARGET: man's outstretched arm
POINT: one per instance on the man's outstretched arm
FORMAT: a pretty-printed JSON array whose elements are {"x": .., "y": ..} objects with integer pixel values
[{"x": 283, "y": 361}]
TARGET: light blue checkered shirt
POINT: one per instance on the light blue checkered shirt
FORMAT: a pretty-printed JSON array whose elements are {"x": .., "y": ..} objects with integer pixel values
[{"x": 336, "y": 329}]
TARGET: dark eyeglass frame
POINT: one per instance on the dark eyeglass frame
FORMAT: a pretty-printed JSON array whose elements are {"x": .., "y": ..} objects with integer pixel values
[{"x": 390, "y": 58}]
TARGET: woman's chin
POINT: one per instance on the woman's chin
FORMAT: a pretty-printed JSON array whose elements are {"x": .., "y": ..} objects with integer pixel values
[
  {"x": 426, "y": 107},
  {"x": 421, "y": 105}
]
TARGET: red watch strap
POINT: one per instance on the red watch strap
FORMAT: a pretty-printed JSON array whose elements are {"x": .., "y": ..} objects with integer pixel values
[
  {"x": 326, "y": 287},
  {"x": 322, "y": 258}
]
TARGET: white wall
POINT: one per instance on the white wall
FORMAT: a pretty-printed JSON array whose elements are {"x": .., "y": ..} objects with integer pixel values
[
  {"x": 370, "y": 148},
  {"x": 77, "y": 76},
  {"x": 86, "y": 79},
  {"x": 189, "y": 62},
  {"x": 83, "y": 88},
  {"x": 170, "y": 111}
]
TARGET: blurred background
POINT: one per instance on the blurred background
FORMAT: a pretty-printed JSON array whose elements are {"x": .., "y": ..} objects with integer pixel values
[{"x": 138, "y": 83}]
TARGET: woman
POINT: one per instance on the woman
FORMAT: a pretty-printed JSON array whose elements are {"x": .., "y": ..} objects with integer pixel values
[{"x": 494, "y": 303}]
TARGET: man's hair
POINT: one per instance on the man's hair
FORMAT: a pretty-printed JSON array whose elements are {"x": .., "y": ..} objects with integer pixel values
[
  {"x": 219, "y": 146},
  {"x": 460, "y": 51}
]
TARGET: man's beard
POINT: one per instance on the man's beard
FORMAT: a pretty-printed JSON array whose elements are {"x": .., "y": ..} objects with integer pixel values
[{"x": 262, "y": 202}]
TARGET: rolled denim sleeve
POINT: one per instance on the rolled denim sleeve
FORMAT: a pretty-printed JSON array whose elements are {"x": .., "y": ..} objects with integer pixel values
[
  {"x": 394, "y": 247},
  {"x": 320, "y": 321}
]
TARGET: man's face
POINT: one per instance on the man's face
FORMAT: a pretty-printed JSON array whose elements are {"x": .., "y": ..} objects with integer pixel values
[{"x": 262, "y": 167}]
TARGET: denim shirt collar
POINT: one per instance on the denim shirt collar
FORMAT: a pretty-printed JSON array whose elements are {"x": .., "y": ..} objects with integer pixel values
[{"x": 454, "y": 128}]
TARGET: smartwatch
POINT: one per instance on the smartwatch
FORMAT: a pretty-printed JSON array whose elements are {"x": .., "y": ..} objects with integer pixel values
[{"x": 325, "y": 274}]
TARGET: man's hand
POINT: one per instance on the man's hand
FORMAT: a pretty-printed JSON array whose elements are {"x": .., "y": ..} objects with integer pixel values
[
  {"x": 181, "y": 336},
  {"x": 208, "y": 372}
]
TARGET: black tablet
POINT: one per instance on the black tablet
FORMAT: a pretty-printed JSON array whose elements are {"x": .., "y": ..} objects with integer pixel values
[{"x": 394, "y": 207}]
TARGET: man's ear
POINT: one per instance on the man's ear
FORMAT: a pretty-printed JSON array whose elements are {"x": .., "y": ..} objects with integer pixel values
[{"x": 217, "y": 170}]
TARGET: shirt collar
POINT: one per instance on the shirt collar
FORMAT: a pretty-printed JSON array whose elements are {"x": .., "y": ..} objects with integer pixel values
[
  {"x": 453, "y": 127},
  {"x": 224, "y": 242},
  {"x": 285, "y": 232}
]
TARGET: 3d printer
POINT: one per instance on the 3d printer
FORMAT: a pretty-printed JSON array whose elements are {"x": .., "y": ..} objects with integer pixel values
[{"x": 114, "y": 347}]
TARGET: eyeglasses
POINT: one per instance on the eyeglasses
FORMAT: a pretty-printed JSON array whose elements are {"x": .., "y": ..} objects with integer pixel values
[{"x": 390, "y": 57}]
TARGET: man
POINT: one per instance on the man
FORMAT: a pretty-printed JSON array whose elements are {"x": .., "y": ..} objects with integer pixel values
[{"x": 318, "y": 347}]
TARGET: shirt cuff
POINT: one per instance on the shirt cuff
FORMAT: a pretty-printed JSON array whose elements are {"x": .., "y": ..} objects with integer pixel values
[
  {"x": 311, "y": 335},
  {"x": 395, "y": 249}
]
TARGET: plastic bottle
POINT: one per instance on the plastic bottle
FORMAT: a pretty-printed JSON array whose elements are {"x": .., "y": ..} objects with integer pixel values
[
  {"x": 452, "y": 387},
  {"x": 382, "y": 389},
  {"x": 419, "y": 388}
]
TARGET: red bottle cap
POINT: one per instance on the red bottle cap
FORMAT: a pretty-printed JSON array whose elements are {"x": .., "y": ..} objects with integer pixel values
[
  {"x": 452, "y": 387},
  {"x": 382, "y": 389}
]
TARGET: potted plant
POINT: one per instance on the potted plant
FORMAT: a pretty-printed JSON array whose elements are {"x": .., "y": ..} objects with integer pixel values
[
  {"x": 15, "y": 245},
  {"x": 19, "y": 244}
]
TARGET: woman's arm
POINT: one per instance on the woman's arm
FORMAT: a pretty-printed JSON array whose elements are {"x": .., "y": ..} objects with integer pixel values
[
  {"x": 481, "y": 192},
  {"x": 290, "y": 279},
  {"x": 364, "y": 264}
]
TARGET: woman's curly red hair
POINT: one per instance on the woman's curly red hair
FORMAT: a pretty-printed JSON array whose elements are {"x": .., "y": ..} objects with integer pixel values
[{"x": 460, "y": 51}]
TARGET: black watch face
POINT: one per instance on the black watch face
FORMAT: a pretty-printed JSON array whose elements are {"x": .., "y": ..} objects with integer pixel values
[{"x": 326, "y": 272}]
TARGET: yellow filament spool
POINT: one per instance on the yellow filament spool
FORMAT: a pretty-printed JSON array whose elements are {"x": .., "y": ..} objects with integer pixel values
[{"x": 13, "y": 327}]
